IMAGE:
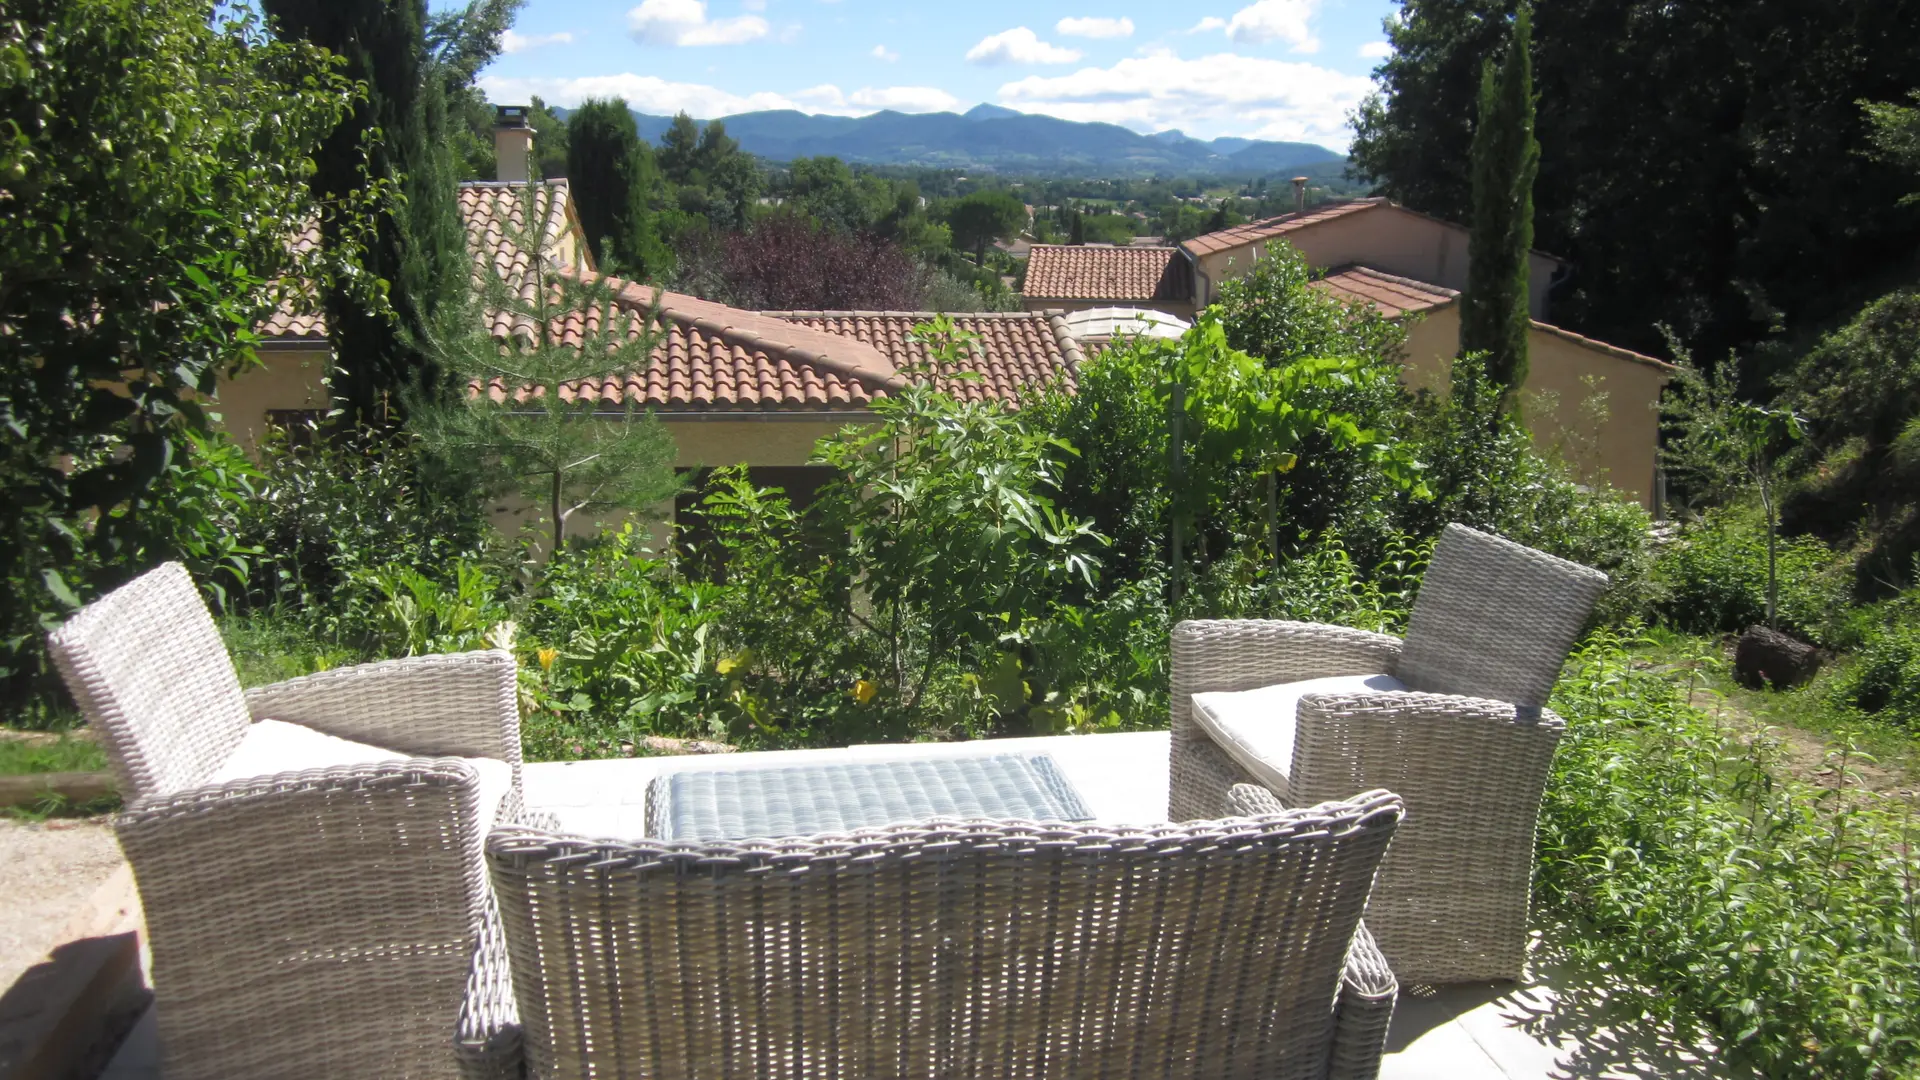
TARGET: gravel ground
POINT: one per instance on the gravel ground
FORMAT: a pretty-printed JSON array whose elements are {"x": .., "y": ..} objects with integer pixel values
[{"x": 47, "y": 871}]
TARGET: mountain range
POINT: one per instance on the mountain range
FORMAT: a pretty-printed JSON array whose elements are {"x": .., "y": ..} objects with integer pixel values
[{"x": 992, "y": 138}]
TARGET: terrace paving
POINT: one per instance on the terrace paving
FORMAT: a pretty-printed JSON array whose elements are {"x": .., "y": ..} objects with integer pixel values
[{"x": 1552, "y": 1027}]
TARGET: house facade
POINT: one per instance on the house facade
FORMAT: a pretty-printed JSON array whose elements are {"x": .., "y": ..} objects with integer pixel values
[
  {"x": 758, "y": 388},
  {"x": 1593, "y": 404}
]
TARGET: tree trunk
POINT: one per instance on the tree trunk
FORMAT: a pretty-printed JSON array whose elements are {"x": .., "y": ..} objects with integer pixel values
[{"x": 559, "y": 523}]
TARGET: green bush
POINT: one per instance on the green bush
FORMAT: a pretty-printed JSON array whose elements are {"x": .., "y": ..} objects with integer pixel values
[
  {"x": 334, "y": 518},
  {"x": 1884, "y": 676},
  {"x": 1482, "y": 471},
  {"x": 1777, "y": 918},
  {"x": 1714, "y": 576}
]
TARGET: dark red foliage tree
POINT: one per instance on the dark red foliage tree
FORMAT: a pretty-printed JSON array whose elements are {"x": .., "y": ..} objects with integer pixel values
[{"x": 787, "y": 262}]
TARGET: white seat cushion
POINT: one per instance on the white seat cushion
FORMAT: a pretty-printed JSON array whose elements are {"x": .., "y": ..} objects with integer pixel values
[
  {"x": 1255, "y": 727},
  {"x": 275, "y": 746}
]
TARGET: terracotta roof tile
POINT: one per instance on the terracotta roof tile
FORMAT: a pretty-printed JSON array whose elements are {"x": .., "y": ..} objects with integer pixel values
[
  {"x": 1600, "y": 346},
  {"x": 1389, "y": 294},
  {"x": 487, "y": 210},
  {"x": 1015, "y": 354},
  {"x": 1267, "y": 228},
  {"x": 712, "y": 357},
  {"x": 1139, "y": 274}
]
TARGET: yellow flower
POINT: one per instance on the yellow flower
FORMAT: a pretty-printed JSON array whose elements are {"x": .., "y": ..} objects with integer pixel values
[
  {"x": 546, "y": 658},
  {"x": 864, "y": 690}
]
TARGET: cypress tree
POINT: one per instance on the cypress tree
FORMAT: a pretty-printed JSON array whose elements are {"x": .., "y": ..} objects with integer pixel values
[
  {"x": 1506, "y": 156},
  {"x": 417, "y": 245},
  {"x": 613, "y": 176}
]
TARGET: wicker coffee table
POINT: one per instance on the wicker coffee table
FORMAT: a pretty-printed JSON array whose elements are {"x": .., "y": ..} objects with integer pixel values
[{"x": 803, "y": 800}]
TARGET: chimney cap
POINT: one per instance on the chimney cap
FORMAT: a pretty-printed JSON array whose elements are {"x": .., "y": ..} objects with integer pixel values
[
  {"x": 1300, "y": 180},
  {"x": 512, "y": 116}
]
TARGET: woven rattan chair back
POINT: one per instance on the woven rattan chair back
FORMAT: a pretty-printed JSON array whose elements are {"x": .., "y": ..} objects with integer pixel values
[
  {"x": 981, "y": 948},
  {"x": 1495, "y": 619},
  {"x": 147, "y": 667}
]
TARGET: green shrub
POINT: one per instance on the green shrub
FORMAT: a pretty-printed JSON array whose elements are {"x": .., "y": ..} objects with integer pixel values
[
  {"x": 1884, "y": 676},
  {"x": 330, "y": 517},
  {"x": 1715, "y": 579},
  {"x": 1483, "y": 471},
  {"x": 1777, "y": 918}
]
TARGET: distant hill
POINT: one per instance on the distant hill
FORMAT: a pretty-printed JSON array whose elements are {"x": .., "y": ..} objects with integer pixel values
[{"x": 991, "y": 138}]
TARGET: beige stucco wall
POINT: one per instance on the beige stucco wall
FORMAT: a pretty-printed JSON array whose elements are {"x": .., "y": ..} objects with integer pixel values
[
  {"x": 773, "y": 439},
  {"x": 1563, "y": 378},
  {"x": 291, "y": 378},
  {"x": 1385, "y": 238}
]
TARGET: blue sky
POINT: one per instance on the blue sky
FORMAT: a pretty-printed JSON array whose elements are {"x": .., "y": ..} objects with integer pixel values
[{"x": 1274, "y": 69}]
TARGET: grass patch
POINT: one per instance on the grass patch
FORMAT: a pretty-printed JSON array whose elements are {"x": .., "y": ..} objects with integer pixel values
[
  {"x": 1778, "y": 918},
  {"x": 63, "y": 753},
  {"x": 269, "y": 648}
]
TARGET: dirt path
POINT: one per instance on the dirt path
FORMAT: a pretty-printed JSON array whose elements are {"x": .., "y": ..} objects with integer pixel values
[{"x": 47, "y": 871}]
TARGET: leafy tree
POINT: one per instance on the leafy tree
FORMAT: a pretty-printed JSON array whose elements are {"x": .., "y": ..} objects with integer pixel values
[
  {"x": 1894, "y": 131},
  {"x": 983, "y": 217},
  {"x": 1493, "y": 309},
  {"x": 714, "y": 178},
  {"x": 680, "y": 150},
  {"x": 825, "y": 189},
  {"x": 1701, "y": 163},
  {"x": 1859, "y": 469},
  {"x": 550, "y": 140},
  {"x": 397, "y": 133},
  {"x": 528, "y": 429},
  {"x": 612, "y": 176},
  {"x": 1725, "y": 445},
  {"x": 946, "y": 506},
  {"x": 1077, "y": 233},
  {"x": 154, "y": 173},
  {"x": 785, "y": 262},
  {"x": 462, "y": 41}
]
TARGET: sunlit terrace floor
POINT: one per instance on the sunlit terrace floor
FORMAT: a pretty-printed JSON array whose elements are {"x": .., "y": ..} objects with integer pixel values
[{"x": 1553, "y": 1026}]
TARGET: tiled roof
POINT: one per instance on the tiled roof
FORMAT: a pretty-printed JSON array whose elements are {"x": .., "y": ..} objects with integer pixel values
[
  {"x": 1390, "y": 294},
  {"x": 487, "y": 210},
  {"x": 713, "y": 358},
  {"x": 1600, "y": 346},
  {"x": 1267, "y": 228},
  {"x": 1014, "y": 353},
  {"x": 1120, "y": 274}
]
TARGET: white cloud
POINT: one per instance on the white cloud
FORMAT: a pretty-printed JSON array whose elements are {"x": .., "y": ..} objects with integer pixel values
[
  {"x": 685, "y": 22},
  {"x": 511, "y": 42},
  {"x": 1095, "y": 27},
  {"x": 912, "y": 99},
  {"x": 647, "y": 93},
  {"x": 651, "y": 94},
  {"x": 1019, "y": 46},
  {"x": 1277, "y": 20},
  {"x": 1211, "y": 22},
  {"x": 881, "y": 52},
  {"x": 1375, "y": 50},
  {"x": 1225, "y": 93},
  {"x": 754, "y": 5}
]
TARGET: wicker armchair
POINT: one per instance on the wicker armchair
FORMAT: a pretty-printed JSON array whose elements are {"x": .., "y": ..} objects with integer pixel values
[
  {"x": 978, "y": 948},
  {"x": 1461, "y": 735},
  {"x": 325, "y": 921}
]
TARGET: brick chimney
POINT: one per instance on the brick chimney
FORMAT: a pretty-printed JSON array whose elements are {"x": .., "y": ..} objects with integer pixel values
[
  {"x": 1299, "y": 194},
  {"x": 512, "y": 144}
]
